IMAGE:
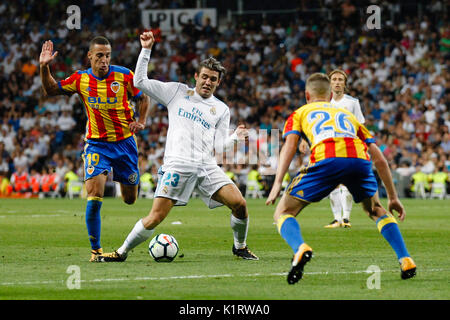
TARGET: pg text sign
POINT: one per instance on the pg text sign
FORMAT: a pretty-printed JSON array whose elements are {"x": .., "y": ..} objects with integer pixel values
[{"x": 177, "y": 18}]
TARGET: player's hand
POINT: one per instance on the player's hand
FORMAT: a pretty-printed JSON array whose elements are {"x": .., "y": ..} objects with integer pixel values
[
  {"x": 147, "y": 39},
  {"x": 274, "y": 193},
  {"x": 396, "y": 205},
  {"x": 47, "y": 54},
  {"x": 303, "y": 147},
  {"x": 136, "y": 126},
  {"x": 241, "y": 132}
]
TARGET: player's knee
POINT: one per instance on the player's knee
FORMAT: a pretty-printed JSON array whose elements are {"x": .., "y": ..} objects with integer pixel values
[
  {"x": 129, "y": 200},
  {"x": 240, "y": 204},
  {"x": 239, "y": 208}
]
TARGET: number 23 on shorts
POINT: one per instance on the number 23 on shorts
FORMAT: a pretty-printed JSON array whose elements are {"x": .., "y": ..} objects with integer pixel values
[{"x": 170, "y": 179}]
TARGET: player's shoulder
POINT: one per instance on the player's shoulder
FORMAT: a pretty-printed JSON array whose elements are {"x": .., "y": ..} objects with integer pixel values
[
  {"x": 219, "y": 102},
  {"x": 120, "y": 69},
  {"x": 222, "y": 107},
  {"x": 183, "y": 88},
  {"x": 79, "y": 73},
  {"x": 179, "y": 91},
  {"x": 312, "y": 106},
  {"x": 75, "y": 76},
  {"x": 300, "y": 111},
  {"x": 349, "y": 97}
]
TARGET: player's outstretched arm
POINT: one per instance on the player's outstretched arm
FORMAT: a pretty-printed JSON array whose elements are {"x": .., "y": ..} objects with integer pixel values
[
  {"x": 140, "y": 79},
  {"x": 158, "y": 90},
  {"x": 287, "y": 153},
  {"x": 49, "y": 84},
  {"x": 147, "y": 40},
  {"x": 240, "y": 134},
  {"x": 384, "y": 172}
]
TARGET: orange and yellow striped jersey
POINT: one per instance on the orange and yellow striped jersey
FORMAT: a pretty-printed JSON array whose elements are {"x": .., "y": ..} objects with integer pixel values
[
  {"x": 330, "y": 131},
  {"x": 108, "y": 110}
]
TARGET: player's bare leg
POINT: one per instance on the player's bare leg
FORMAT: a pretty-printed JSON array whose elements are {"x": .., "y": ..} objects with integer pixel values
[
  {"x": 129, "y": 193},
  {"x": 373, "y": 207},
  {"x": 230, "y": 196},
  {"x": 160, "y": 209},
  {"x": 286, "y": 211},
  {"x": 95, "y": 188}
]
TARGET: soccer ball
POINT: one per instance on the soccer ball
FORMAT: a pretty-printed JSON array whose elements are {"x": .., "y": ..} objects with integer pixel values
[{"x": 163, "y": 248}]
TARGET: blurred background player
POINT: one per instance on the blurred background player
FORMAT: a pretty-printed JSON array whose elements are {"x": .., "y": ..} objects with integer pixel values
[
  {"x": 338, "y": 155},
  {"x": 198, "y": 125},
  {"x": 110, "y": 143},
  {"x": 341, "y": 200}
]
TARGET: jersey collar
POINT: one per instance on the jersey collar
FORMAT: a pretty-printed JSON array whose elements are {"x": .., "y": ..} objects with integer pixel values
[
  {"x": 207, "y": 100},
  {"x": 100, "y": 79}
]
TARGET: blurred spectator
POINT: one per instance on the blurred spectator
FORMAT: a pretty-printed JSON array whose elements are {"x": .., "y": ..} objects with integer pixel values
[
  {"x": 35, "y": 181},
  {"x": 69, "y": 181},
  {"x": 29, "y": 68},
  {"x": 49, "y": 182},
  {"x": 66, "y": 124},
  {"x": 20, "y": 180}
]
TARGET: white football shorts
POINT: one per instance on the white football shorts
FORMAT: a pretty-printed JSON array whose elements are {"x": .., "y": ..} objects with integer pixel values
[{"x": 178, "y": 183}]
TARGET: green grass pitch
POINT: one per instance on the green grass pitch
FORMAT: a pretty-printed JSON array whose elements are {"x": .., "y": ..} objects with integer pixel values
[{"x": 43, "y": 240}]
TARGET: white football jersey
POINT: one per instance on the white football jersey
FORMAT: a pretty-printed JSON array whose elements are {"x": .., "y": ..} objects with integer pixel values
[
  {"x": 197, "y": 126},
  {"x": 351, "y": 104}
]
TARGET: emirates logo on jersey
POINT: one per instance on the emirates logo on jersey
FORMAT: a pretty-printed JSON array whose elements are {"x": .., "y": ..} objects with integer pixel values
[{"x": 115, "y": 87}]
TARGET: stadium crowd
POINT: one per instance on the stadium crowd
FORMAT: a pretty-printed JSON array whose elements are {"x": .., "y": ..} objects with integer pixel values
[{"x": 400, "y": 74}]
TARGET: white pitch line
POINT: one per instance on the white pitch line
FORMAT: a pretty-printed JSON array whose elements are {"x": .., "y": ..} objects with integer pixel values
[
  {"x": 205, "y": 276},
  {"x": 32, "y": 216}
]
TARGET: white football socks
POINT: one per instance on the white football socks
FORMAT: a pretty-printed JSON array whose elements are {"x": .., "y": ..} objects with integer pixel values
[
  {"x": 138, "y": 235},
  {"x": 336, "y": 205},
  {"x": 240, "y": 229},
  {"x": 347, "y": 202}
]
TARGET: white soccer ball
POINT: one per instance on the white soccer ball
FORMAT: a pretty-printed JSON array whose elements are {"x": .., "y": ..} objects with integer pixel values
[{"x": 163, "y": 248}]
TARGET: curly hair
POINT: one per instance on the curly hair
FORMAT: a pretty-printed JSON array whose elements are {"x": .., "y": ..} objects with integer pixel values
[{"x": 212, "y": 64}]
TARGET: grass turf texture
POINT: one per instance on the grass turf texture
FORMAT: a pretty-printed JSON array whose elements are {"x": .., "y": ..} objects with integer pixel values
[{"x": 40, "y": 239}]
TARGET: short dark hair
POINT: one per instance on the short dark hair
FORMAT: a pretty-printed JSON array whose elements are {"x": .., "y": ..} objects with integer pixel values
[
  {"x": 318, "y": 84},
  {"x": 99, "y": 40},
  {"x": 212, "y": 64}
]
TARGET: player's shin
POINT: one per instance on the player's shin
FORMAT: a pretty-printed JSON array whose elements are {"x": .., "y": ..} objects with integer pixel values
[
  {"x": 289, "y": 230},
  {"x": 347, "y": 203},
  {"x": 137, "y": 235},
  {"x": 93, "y": 221},
  {"x": 336, "y": 204},
  {"x": 388, "y": 227},
  {"x": 240, "y": 229}
]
